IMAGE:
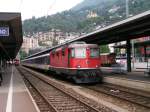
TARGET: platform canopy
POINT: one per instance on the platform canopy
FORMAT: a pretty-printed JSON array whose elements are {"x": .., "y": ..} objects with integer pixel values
[
  {"x": 10, "y": 34},
  {"x": 130, "y": 28},
  {"x": 136, "y": 44}
]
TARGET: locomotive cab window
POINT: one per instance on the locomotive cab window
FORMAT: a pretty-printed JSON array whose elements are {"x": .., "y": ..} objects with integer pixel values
[
  {"x": 94, "y": 52},
  {"x": 80, "y": 52}
]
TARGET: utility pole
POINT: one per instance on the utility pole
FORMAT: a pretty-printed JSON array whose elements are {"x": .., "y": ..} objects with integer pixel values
[{"x": 127, "y": 8}]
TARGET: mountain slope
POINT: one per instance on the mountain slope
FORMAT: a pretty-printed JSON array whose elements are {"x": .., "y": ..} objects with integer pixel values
[{"x": 76, "y": 20}]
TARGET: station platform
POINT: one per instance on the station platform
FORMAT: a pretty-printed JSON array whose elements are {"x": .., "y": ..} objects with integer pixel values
[
  {"x": 135, "y": 79},
  {"x": 14, "y": 96}
]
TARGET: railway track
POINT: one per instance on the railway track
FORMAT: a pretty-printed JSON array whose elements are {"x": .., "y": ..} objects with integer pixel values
[
  {"x": 59, "y": 99},
  {"x": 123, "y": 94},
  {"x": 41, "y": 102}
]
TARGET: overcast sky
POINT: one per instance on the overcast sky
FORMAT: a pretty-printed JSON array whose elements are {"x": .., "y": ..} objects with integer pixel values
[{"x": 36, "y": 8}]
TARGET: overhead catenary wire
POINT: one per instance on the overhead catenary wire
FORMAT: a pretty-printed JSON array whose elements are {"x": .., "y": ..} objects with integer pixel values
[{"x": 50, "y": 7}]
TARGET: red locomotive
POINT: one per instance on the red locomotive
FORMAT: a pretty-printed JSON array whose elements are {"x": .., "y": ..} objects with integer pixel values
[{"x": 78, "y": 61}]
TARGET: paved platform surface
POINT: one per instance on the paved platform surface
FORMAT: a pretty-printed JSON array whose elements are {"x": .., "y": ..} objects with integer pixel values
[
  {"x": 129, "y": 75},
  {"x": 14, "y": 96},
  {"x": 136, "y": 80}
]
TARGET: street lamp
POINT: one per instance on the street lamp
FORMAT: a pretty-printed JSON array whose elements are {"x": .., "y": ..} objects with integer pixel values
[{"x": 127, "y": 8}]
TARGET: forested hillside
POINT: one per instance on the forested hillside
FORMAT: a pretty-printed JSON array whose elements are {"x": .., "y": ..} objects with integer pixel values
[{"x": 75, "y": 19}]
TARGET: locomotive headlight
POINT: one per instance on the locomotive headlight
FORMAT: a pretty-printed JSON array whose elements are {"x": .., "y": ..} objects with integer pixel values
[
  {"x": 96, "y": 66},
  {"x": 78, "y": 66}
]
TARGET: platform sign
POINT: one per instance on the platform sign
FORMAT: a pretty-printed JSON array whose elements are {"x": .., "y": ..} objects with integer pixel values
[{"x": 4, "y": 31}]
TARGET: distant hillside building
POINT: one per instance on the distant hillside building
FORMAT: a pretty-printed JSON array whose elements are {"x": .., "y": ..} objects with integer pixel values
[
  {"x": 54, "y": 37},
  {"x": 92, "y": 14},
  {"x": 47, "y": 38},
  {"x": 69, "y": 36},
  {"x": 29, "y": 43}
]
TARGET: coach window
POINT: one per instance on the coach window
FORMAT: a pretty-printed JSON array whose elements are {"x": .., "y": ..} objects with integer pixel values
[
  {"x": 40, "y": 60},
  {"x": 80, "y": 52},
  {"x": 36, "y": 61},
  {"x": 44, "y": 60},
  {"x": 47, "y": 60}
]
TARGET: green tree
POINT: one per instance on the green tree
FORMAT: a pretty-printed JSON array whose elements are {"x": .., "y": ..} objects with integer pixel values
[
  {"x": 104, "y": 49},
  {"x": 23, "y": 54}
]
